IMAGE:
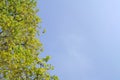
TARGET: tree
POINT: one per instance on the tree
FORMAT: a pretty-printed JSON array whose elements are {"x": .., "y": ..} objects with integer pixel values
[{"x": 19, "y": 47}]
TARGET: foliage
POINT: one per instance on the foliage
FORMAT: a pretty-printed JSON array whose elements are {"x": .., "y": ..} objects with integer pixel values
[{"x": 19, "y": 47}]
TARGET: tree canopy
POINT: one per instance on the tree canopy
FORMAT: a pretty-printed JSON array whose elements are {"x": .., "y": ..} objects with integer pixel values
[{"x": 19, "y": 47}]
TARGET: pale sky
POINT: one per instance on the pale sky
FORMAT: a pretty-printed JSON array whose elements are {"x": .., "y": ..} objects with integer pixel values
[{"x": 83, "y": 38}]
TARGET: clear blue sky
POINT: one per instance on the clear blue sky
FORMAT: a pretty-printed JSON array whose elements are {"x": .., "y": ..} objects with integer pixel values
[{"x": 83, "y": 38}]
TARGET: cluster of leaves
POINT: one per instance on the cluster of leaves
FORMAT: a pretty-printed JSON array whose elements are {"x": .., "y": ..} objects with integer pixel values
[{"x": 19, "y": 47}]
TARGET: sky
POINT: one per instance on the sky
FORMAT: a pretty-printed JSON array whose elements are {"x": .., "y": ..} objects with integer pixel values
[{"x": 83, "y": 38}]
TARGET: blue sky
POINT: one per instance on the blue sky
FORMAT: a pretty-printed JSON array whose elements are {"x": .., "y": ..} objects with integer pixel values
[{"x": 83, "y": 38}]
